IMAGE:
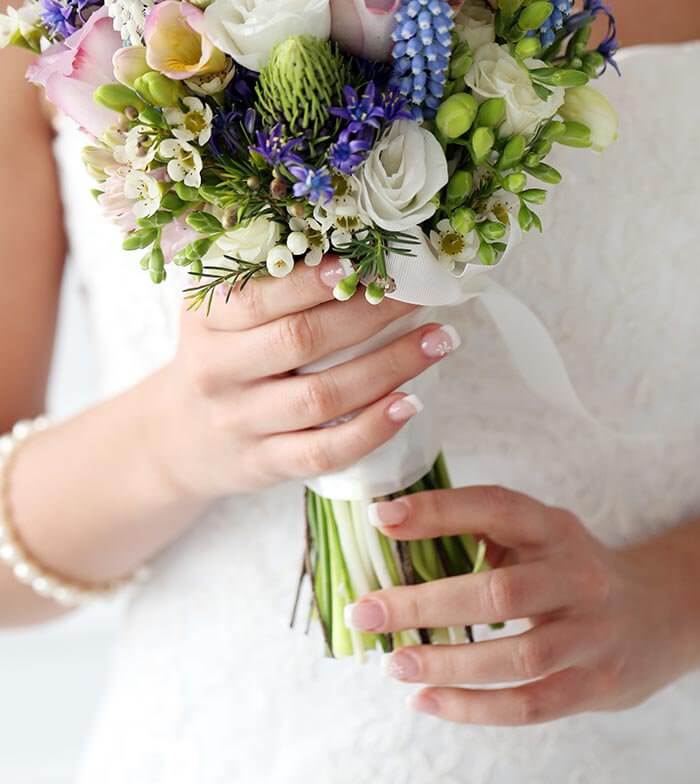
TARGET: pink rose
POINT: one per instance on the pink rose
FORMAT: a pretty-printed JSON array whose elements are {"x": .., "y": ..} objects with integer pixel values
[
  {"x": 71, "y": 72},
  {"x": 364, "y": 27}
]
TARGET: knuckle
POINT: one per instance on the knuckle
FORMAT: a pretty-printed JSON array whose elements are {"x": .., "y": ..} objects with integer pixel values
[
  {"x": 320, "y": 397},
  {"x": 204, "y": 378},
  {"x": 414, "y": 609},
  {"x": 532, "y": 657},
  {"x": 597, "y": 582},
  {"x": 502, "y": 594},
  {"x": 529, "y": 706},
  {"x": 316, "y": 458},
  {"x": 249, "y": 300},
  {"x": 296, "y": 336},
  {"x": 499, "y": 501}
]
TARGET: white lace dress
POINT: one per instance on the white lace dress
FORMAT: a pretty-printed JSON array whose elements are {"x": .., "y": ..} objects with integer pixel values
[{"x": 209, "y": 686}]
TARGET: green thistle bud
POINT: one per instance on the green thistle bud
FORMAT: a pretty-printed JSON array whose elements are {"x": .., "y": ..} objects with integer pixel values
[
  {"x": 481, "y": 144},
  {"x": 535, "y": 15},
  {"x": 158, "y": 90},
  {"x": 491, "y": 230},
  {"x": 461, "y": 61},
  {"x": 459, "y": 187},
  {"x": 141, "y": 238},
  {"x": 515, "y": 182},
  {"x": 534, "y": 195},
  {"x": 463, "y": 220},
  {"x": 456, "y": 115},
  {"x": 304, "y": 77},
  {"x": 512, "y": 152},
  {"x": 487, "y": 254},
  {"x": 528, "y": 47},
  {"x": 346, "y": 288},
  {"x": 374, "y": 293},
  {"x": 491, "y": 113},
  {"x": 575, "y": 134},
  {"x": 117, "y": 97}
]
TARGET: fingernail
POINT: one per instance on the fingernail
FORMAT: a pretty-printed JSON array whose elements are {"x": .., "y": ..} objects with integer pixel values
[
  {"x": 387, "y": 513},
  {"x": 333, "y": 270},
  {"x": 440, "y": 342},
  {"x": 424, "y": 703},
  {"x": 402, "y": 410},
  {"x": 401, "y": 665},
  {"x": 365, "y": 616}
]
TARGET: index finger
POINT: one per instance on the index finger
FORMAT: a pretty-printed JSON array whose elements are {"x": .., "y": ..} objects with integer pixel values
[
  {"x": 509, "y": 518},
  {"x": 267, "y": 299}
]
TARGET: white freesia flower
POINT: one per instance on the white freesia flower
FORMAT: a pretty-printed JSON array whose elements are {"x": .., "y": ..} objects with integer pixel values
[
  {"x": 586, "y": 105},
  {"x": 184, "y": 162},
  {"x": 144, "y": 191},
  {"x": 400, "y": 178},
  {"x": 192, "y": 124},
  {"x": 251, "y": 242},
  {"x": 138, "y": 147},
  {"x": 453, "y": 249},
  {"x": 307, "y": 238},
  {"x": 249, "y": 30},
  {"x": 475, "y": 24},
  {"x": 19, "y": 22},
  {"x": 280, "y": 261},
  {"x": 211, "y": 84},
  {"x": 497, "y": 74}
]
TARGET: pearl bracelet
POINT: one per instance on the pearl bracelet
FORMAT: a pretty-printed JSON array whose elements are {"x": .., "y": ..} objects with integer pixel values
[{"x": 43, "y": 581}]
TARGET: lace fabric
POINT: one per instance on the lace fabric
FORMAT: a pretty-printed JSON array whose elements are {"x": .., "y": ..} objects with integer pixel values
[{"x": 208, "y": 683}]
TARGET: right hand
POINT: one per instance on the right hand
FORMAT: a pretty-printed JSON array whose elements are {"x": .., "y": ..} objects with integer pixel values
[{"x": 238, "y": 419}]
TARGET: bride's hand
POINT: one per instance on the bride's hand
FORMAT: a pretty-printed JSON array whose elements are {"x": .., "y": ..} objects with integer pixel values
[
  {"x": 238, "y": 421},
  {"x": 609, "y": 628}
]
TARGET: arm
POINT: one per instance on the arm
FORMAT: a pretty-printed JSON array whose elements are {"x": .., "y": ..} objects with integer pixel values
[{"x": 609, "y": 627}]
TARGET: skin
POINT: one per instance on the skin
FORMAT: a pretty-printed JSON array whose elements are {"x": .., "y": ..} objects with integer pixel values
[{"x": 136, "y": 482}]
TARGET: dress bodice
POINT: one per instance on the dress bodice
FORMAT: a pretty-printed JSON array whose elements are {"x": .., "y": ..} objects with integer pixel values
[{"x": 208, "y": 683}]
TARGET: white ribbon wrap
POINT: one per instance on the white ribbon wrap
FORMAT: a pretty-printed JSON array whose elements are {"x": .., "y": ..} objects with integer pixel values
[{"x": 422, "y": 280}]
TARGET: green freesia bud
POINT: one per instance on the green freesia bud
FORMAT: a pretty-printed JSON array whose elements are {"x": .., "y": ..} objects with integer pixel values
[
  {"x": 535, "y": 15},
  {"x": 491, "y": 230},
  {"x": 346, "y": 288},
  {"x": 510, "y": 8},
  {"x": 512, "y": 152},
  {"x": 559, "y": 77},
  {"x": 463, "y": 220},
  {"x": 553, "y": 130},
  {"x": 459, "y": 187},
  {"x": 487, "y": 254},
  {"x": 186, "y": 193},
  {"x": 515, "y": 182},
  {"x": 491, "y": 113},
  {"x": 534, "y": 195},
  {"x": 525, "y": 218},
  {"x": 141, "y": 238},
  {"x": 481, "y": 144},
  {"x": 145, "y": 262},
  {"x": 542, "y": 148},
  {"x": 461, "y": 60},
  {"x": 592, "y": 63},
  {"x": 587, "y": 106},
  {"x": 156, "y": 265},
  {"x": 531, "y": 159},
  {"x": 196, "y": 269},
  {"x": 456, "y": 115},
  {"x": 575, "y": 135},
  {"x": 527, "y": 47},
  {"x": 152, "y": 116},
  {"x": 545, "y": 173},
  {"x": 158, "y": 90},
  {"x": 117, "y": 97},
  {"x": 374, "y": 293}
]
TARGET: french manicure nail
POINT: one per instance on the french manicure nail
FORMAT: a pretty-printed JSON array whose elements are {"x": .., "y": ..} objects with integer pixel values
[
  {"x": 424, "y": 703},
  {"x": 332, "y": 271},
  {"x": 404, "y": 409},
  {"x": 400, "y": 665},
  {"x": 387, "y": 513},
  {"x": 365, "y": 616},
  {"x": 440, "y": 342}
]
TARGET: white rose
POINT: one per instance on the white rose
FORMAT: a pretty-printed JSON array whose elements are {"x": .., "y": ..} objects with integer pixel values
[
  {"x": 252, "y": 243},
  {"x": 399, "y": 179},
  {"x": 475, "y": 24},
  {"x": 496, "y": 74},
  {"x": 249, "y": 30},
  {"x": 586, "y": 105}
]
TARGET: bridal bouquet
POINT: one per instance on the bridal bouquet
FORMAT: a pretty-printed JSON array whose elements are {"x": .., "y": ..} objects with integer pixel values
[{"x": 237, "y": 138}]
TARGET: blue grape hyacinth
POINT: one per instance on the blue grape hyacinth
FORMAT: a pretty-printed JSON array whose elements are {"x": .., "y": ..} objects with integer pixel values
[
  {"x": 557, "y": 20},
  {"x": 422, "y": 46}
]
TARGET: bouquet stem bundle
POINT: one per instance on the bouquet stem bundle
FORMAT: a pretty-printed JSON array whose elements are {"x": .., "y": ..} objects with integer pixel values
[{"x": 346, "y": 557}]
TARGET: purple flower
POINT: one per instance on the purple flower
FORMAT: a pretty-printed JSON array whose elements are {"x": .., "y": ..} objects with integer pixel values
[
  {"x": 275, "y": 149},
  {"x": 591, "y": 9},
  {"x": 63, "y": 17},
  {"x": 362, "y": 111},
  {"x": 316, "y": 184},
  {"x": 396, "y": 106},
  {"x": 348, "y": 153}
]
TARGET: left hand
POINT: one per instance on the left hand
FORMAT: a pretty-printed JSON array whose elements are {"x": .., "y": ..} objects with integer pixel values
[{"x": 607, "y": 626}]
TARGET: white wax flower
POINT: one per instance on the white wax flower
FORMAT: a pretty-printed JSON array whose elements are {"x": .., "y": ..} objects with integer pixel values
[
  {"x": 307, "y": 237},
  {"x": 280, "y": 261},
  {"x": 399, "y": 180},
  {"x": 454, "y": 249},
  {"x": 193, "y": 123},
  {"x": 475, "y": 24},
  {"x": 144, "y": 191},
  {"x": 184, "y": 162},
  {"x": 586, "y": 105},
  {"x": 497, "y": 74},
  {"x": 251, "y": 243},
  {"x": 249, "y": 30},
  {"x": 137, "y": 149}
]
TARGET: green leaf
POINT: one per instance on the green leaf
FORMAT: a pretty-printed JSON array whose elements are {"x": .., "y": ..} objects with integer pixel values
[
  {"x": 545, "y": 173},
  {"x": 204, "y": 223},
  {"x": 525, "y": 218},
  {"x": 534, "y": 195},
  {"x": 186, "y": 193},
  {"x": 156, "y": 221},
  {"x": 141, "y": 238}
]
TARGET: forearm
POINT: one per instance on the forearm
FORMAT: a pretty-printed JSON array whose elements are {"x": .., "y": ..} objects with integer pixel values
[{"x": 90, "y": 498}]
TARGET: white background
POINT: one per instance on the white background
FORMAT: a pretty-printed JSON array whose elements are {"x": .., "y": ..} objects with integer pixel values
[{"x": 51, "y": 677}]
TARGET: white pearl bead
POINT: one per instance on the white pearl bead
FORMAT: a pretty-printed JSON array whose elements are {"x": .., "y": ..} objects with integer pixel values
[
  {"x": 8, "y": 553},
  {"x": 24, "y": 572},
  {"x": 65, "y": 596},
  {"x": 21, "y": 430},
  {"x": 44, "y": 586}
]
